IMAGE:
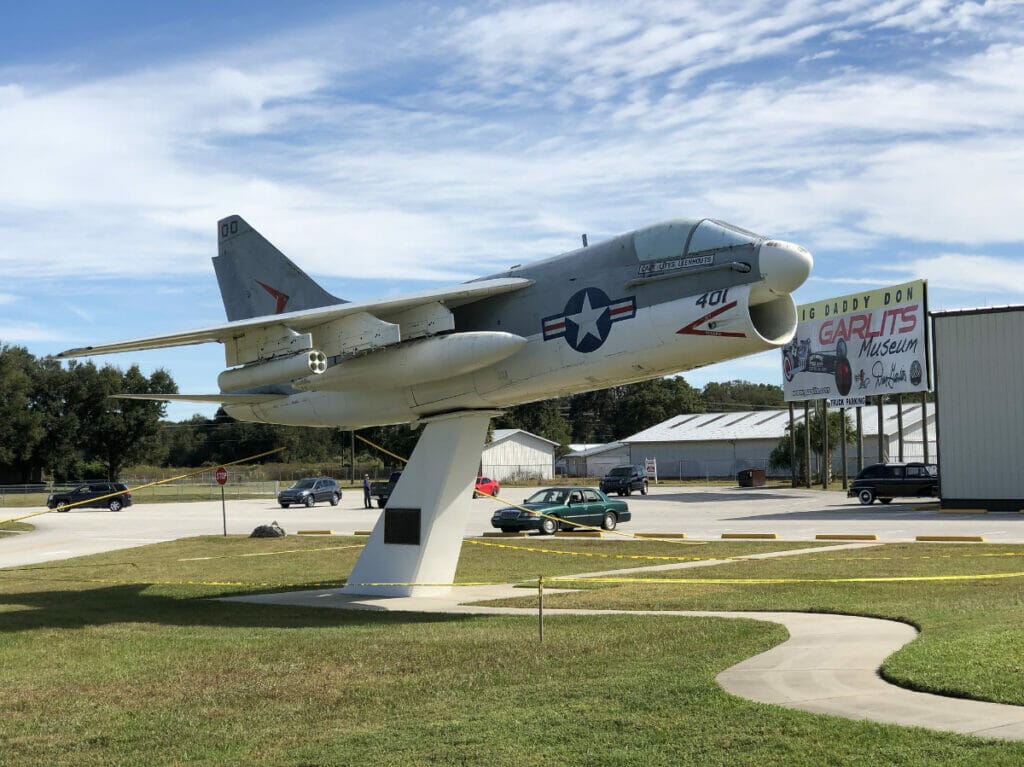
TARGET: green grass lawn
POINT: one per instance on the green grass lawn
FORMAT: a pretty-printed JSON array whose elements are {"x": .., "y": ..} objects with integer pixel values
[
  {"x": 119, "y": 659},
  {"x": 7, "y": 528},
  {"x": 972, "y": 630}
]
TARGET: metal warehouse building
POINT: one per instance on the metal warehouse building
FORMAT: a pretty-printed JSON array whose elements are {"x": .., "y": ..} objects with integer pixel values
[
  {"x": 595, "y": 460},
  {"x": 721, "y": 444},
  {"x": 979, "y": 368}
]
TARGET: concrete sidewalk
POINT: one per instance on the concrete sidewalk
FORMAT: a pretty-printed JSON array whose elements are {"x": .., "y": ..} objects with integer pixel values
[{"x": 829, "y": 664}]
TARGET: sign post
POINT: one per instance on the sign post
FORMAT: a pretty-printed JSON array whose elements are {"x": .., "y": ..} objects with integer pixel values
[
  {"x": 221, "y": 475},
  {"x": 651, "y": 469}
]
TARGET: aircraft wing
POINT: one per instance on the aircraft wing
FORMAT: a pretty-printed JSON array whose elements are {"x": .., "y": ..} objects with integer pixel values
[
  {"x": 309, "y": 319},
  {"x": 225, "y": 398}
]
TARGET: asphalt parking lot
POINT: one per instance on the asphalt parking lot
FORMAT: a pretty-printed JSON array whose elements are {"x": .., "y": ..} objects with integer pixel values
[{"x": 701, "y": 513}]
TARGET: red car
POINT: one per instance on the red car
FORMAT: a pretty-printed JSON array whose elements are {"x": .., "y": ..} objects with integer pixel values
[{"x": 485, "y": 486}]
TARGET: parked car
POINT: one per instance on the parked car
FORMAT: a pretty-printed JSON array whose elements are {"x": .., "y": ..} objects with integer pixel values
[
  {"x": 624, "y": 480},
  {"x": 485, "y": 486},
  {"x": 573, "y": 506},
  {"x": 309, "y": 491},
  {"x": 886, "y": 481},
  {"x": 98, "y": 495}
]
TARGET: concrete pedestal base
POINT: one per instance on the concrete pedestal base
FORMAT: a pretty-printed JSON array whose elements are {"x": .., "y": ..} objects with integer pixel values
[{"x": 415, "y": 545}]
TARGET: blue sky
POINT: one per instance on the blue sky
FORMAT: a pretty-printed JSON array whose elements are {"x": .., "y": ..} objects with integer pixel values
[{"x": 392, "y": 147}]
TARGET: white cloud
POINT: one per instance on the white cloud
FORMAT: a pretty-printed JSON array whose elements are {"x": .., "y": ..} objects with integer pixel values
[
  {"x": 528, "y": 125},
  {"x": 380, "y": 148},
  {"x": 969, "y": 273},
  {"x": 818, "y": 56},
  {"x": 29, "y": 333}
]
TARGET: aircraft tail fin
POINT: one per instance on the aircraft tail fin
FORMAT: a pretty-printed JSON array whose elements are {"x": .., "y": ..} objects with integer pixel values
[{"x": 257, "y": 279}]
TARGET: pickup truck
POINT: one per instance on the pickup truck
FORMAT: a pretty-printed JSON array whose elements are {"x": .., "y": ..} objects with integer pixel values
[
  {"x": 886, "y": 481},
  {"x": 382, "y": 490}
]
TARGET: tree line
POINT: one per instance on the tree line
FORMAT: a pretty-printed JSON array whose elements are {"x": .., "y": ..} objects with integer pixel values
[
  {"x": 60, "y": 422},
  {"x": 593, "y": 417}
]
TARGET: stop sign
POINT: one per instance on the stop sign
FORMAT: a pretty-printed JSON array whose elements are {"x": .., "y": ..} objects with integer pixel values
[{"x": 221, "y": 475}]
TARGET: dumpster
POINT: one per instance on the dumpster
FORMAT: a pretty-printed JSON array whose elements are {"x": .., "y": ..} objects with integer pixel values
[{"x": 751, "y": 478}]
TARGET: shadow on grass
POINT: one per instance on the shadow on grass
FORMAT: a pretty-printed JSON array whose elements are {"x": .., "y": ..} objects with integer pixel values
[{"x": 128, "y": 604}]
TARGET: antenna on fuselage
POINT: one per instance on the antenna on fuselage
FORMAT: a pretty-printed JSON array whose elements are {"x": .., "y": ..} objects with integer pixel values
[{"x": 584, "y": 239}]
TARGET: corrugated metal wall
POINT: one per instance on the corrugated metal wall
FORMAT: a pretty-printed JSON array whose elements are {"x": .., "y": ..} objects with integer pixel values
[
  {"x": 596, "y": 465},
  {"x": 686, "y": 460},
  {"x": 979, "y": 364}
]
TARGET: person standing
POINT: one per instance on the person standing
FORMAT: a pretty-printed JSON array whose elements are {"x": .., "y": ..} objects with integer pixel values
[{"x": 366, "y": 492}]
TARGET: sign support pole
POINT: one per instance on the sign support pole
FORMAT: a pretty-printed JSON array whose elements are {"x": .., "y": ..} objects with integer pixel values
[
  {"x": 842, "y": 442},
  {"x": 899, "y": 421},
  {"x": 807, "y": 443},
  {"x": 826, "y": 459},
  {"x": 792, "y": 448},
  {"x": 860, "y": 439},
  {"x": 221, "y": 475},
  {"x": 540, "y": 609},
  {"x": 881, "y": 430},
  {"x": 924, "y": 423}
]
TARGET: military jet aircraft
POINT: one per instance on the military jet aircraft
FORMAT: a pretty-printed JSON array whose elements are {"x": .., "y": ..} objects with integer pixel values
[{"x": 666, "y": 298}]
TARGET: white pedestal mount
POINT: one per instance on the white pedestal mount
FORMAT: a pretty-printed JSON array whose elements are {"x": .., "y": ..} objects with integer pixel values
[{"x": 418, "y": 537}]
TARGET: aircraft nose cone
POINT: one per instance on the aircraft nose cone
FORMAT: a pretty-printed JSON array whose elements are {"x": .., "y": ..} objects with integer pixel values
[{"x": 784, "y": 266}]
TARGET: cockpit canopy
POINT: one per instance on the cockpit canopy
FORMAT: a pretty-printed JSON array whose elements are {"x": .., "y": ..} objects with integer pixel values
[{"x": 683, "y": 238}]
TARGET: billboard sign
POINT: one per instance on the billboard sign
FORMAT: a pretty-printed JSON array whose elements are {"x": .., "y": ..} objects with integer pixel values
[{"x": 856, "y": 346}]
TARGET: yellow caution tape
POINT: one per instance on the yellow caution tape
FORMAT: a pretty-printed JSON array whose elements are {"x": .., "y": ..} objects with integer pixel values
[
  {"x": 271, "y": 553},
  {"x": 259, "y": 584},
  {"x": 117, "y": 582},
  {"x": 743, "y": 558},
  {"x": 918, "y": 556},
  {"x": 556, "y": 578},
  {"x": 597, "y": 555},
  {"x": 384, "y": 450},
  {"x": 143, "y": 487},
  {"x": 446, "y": 585},
  {"x": 769, "y": 581}
]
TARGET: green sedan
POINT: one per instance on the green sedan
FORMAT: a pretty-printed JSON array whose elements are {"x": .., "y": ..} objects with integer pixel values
[{"x": 573, "y": 507}]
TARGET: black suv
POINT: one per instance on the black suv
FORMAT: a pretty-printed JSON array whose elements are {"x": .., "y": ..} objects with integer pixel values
[
  {"x": 624, "y": 480},
  {"x": 309, "y": 491},
  {"x": 99, "y": 495},
  {"x": 886, "y": 481}
]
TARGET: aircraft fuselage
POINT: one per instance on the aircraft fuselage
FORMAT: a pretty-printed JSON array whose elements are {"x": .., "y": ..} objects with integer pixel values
[{"x": 649, "y": 303}]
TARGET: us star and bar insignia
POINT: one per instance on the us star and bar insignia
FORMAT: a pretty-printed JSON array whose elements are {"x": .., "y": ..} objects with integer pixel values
[{"x": 587, "y": 319}]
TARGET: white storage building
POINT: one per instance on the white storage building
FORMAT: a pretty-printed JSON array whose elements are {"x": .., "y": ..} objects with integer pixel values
[{"x": 514, "y": 454}]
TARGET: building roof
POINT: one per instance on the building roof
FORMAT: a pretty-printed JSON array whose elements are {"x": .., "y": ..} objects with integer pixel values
[
  {"x": 978, "y": 310},
  {"x": 586, "y": 451},
  {"x": 502, "y": 434},
  {"x": 766, "y": 424}
]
